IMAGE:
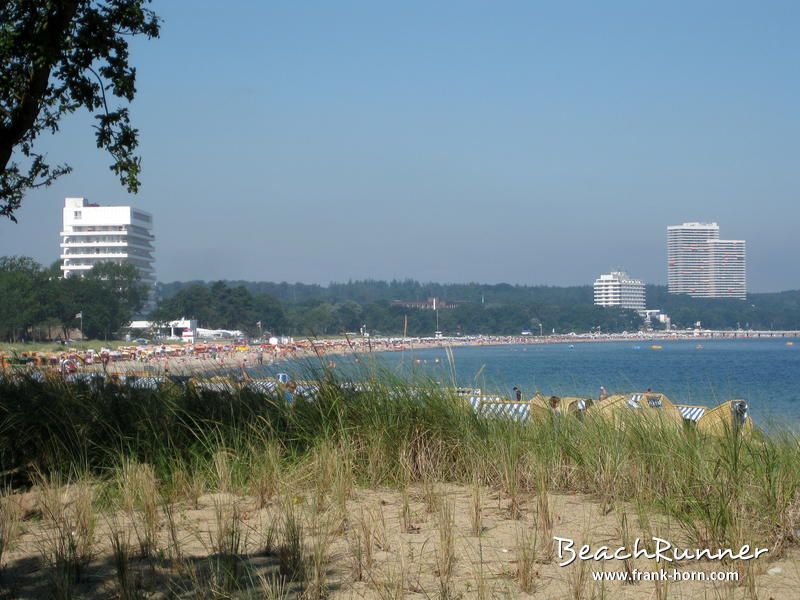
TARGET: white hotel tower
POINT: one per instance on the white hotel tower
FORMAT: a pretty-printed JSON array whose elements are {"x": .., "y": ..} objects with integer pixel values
[
  {"x": 618, "y": 289},
  {"x": 702, "y": 265},
  {"x": 93, "y": 234}
]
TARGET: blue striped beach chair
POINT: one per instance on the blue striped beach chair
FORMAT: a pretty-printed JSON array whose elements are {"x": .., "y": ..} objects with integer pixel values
[
  {"x": 496, "y": 407},
  {"x": 691, "y": 413}
]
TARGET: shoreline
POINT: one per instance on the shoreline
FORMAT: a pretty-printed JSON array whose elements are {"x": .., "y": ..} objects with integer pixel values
[{"x": 184, "y": 359}]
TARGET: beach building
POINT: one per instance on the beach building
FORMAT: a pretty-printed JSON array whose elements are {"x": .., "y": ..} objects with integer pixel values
[
  {"x": 178, "y": 329},
  {"x": 92, "y": 234},
  {"x": 429, "y": 304},
  {"x": 619, "y": 289},
  {"x": 700, "y": 264}
]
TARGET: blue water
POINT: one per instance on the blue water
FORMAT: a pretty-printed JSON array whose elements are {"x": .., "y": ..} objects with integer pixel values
[{"x": 765, "y": 372}]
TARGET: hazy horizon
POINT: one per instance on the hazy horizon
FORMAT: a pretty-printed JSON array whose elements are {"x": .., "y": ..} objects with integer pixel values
[{"x": 521, "y": 143}]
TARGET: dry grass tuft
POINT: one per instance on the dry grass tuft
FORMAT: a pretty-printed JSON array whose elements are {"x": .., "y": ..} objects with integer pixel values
[
  {"x": 10, "y": 525},
  {"x": 141, "y": 500},
  {"x": 526, "y": 573}
]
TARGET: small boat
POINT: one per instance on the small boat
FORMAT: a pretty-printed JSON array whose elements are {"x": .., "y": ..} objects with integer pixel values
[
  {"x": 699, "y": 346},
  {"x": 656, "y": 347},
  {"x": 790, "y": 343}
]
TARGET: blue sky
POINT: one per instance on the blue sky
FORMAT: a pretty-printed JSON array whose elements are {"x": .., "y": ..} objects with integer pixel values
[{"x": 525, "y": 142}]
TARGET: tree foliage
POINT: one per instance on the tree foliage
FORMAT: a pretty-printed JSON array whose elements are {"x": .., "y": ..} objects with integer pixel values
[
  {"x": 56, "y": 57},
  {"x": 220, "y": 306},
  {"x": 37, "y": 303},
  {"x": 489, "y": 309},
  {"x": 408, "y": 290}
]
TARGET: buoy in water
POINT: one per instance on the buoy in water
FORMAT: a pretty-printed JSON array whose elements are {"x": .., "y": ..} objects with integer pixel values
[{"x": 655, "y": 347}]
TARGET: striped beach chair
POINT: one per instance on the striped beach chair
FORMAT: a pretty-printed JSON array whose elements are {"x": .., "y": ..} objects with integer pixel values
[
  {"x": 145, "y": 383},
  {"x": 263, "y": 386},
  {"x": 496, "y": 407},
  {"x": 214, "y": 384},
  {"x": 691, "y": 413}
]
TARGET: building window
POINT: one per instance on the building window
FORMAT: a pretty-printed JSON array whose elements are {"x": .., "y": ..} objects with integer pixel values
[{"x": 77, "y": 214}]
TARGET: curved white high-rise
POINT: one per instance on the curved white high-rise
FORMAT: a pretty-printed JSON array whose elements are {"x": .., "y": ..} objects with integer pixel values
[
  {"x": 93, "y": 234},
  {"x": 619, "y": 289}
]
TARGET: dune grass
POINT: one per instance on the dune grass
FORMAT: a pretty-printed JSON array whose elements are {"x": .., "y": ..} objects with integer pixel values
[{"x": 90, "y": 449}]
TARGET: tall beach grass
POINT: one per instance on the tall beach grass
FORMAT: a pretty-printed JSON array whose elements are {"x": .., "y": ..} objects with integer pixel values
[{"x": 145, "y": 449}]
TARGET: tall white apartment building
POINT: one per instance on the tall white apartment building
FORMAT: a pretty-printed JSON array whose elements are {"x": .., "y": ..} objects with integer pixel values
[
  {"x": 93, "y": 234},
  {"x": 728, "y": 276},
  {"x": 618, "y": 289},
  {"x": 702, "y": 265}
]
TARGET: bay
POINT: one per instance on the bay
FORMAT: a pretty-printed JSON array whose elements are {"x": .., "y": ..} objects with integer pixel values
[{"x": 765, "y": 372}]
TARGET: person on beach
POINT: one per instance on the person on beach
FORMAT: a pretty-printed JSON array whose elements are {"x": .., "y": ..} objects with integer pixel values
[
  {"x": 555, "y": 406},
  {"x": 603, "y": 394},
  {"x": 243, "y": 366},
  {"x": 518, "y": 394},
  {"x": 291, "y": 390}
]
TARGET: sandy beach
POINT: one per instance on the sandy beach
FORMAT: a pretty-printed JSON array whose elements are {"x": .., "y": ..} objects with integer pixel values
[
  {"x": 388, "y": 543},
  {"x": 197, "y": 359}
]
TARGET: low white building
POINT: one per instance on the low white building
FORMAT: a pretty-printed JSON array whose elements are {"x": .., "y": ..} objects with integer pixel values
[
  {"x": 654, "y": 314},
  {"x": 619, "y": 289},
  {"x": 171, "y": 329},
  {"x": 92, "y": 234}
]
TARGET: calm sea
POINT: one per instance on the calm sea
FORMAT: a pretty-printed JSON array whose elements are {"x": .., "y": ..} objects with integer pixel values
[{"x": 765, "y": 372}]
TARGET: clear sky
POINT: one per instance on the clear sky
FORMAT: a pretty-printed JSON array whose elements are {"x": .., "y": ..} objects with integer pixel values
[{"x": 522, "y": 142}]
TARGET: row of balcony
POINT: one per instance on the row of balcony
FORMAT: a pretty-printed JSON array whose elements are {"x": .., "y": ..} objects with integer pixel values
[
  {"x": 137, "y": 231},
  {"x": 101, "y": 252},
  {"x": 69, "y": 243},
  {"x": 143, "y": 266}
]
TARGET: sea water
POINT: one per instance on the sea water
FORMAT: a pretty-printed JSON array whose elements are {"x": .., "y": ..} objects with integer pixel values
[{"x": 765, "y": 372}]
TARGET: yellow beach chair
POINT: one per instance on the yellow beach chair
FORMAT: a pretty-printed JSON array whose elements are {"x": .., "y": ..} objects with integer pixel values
[
  {"x": 732, "y": 416},
  {"x": 650, "y": 406}
]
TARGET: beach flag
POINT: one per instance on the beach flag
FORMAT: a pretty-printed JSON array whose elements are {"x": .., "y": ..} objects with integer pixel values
[{"x": 79, "y": 315}]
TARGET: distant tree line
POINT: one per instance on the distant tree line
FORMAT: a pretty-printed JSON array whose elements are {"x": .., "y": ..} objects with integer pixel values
[
  {"x": 220, "y": 306},
  {"x": 407, "y": 290},
  {"x": 302, "y": 309},
  {"x": 36, "y": 303},
  {"x": 224, "y": 306},
  {"x": 779, "y": 310}
]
